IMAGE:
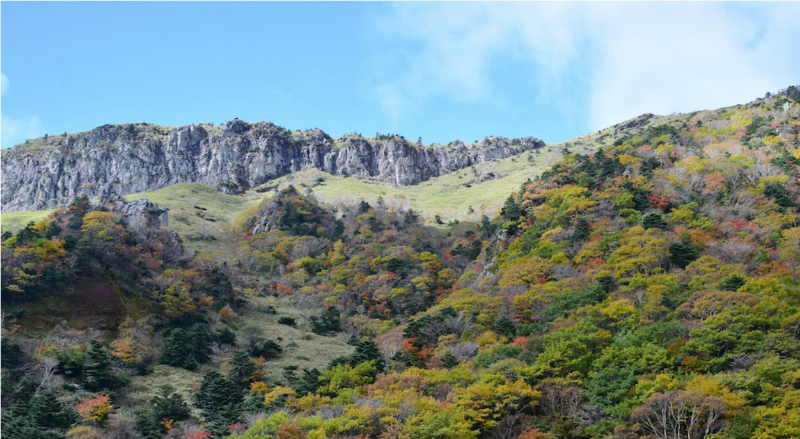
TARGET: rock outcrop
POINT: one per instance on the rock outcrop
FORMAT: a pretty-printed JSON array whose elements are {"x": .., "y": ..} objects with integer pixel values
[{"x": 49, "y": 172}]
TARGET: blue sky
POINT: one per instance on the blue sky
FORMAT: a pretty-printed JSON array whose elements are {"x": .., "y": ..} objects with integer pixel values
[{"x": 440, "y": 71}]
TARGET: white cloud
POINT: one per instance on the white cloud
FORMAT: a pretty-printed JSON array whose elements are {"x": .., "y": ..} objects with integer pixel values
[
  {"x": 632, "y": 58},
  {"x": 17, "y": 129}
]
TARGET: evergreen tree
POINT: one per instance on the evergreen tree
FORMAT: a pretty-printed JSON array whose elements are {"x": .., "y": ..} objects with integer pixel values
[
  {"x": 48, "y": 412},
  {"x": 506, "y": 327},
  {"x": 218, "y": 397},
  {"x": 654, "y": 220},
  {"x": 97, "y": 368},
  {"x": 328, "y": 323},
  {"x": 683, "y": 253},
  {"x": 177, "y": 350},
  {"x": 308, "y": 382},
  {"x": 448, "y": 360},
  {"x": 242, "y": 369},
  {"x": 581, "y": 232},
  {"x": 367, "y": 350},
  {"x": 732, "y": 283},
  {"x": 363, "y": 207},
  {"x": 411, "y": 217},
  {"x": 268, "y": 349},
  {"x": 511, "y": 210},
  {"x": 169, "y": 404}
]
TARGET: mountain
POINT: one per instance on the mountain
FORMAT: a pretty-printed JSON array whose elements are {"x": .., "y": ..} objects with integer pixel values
[
  {"x": 236, "y": 156},
  {"x": 646, "y": 285}
]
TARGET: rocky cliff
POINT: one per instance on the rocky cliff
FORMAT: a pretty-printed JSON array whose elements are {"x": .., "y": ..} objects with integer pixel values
[{"x": 123, "y": 159}]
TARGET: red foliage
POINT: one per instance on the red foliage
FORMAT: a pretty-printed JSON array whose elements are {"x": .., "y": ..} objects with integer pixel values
[
  {"x": 659, "y": 202},
  {"x": 519, "y": 342},
  {"x": 535, "y": 433},
  {"x": 281, "y": 289},
  {"x": 237, "y": 428}
]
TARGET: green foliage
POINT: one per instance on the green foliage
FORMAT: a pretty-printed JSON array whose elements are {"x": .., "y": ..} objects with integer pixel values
[
  {"x": 187, "y": 347},
  {"x": 97, "y": 373},
  {"x": 328, "y": 323},
  {"x": 654, "y": 220}
]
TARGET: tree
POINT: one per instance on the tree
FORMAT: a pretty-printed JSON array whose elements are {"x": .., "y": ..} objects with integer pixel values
[
  {"x": 654, "y": 220},
  {"x": 242, "y": 369},
  {"x": 367, "y": 350},
  {"x": 506, "y": 327},
  {"x": 581, "y": 232},
  {"x": 95, "y": 408},
  {"x": 97, "y": 368},
  {"x": 511, "y": 210},
  {"x": 328, "y": 323},
  {"x": 680, "y": 414},
  {"x": 216, "y": 394}
]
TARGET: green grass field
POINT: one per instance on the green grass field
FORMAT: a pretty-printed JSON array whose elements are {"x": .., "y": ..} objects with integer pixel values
[
  {"x": 14, "y": 221},
  {"x": 198, "y": 211}
]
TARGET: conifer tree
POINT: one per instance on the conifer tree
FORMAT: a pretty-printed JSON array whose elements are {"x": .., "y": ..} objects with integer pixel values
[
  {"x": 97, "y": 368},
  {"x": 367, "y": 350},
  {"x": 242, "y": 369}
]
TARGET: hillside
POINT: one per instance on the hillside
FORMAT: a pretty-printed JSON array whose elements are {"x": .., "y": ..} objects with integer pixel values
[{"x": 645, "y": 285}]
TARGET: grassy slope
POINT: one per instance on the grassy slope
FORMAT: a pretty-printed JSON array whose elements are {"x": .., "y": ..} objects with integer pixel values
[
  {"x": 13, "y": 221},
  {"x": 449, "y": 196},
  {"x": 184, "y": 200}
]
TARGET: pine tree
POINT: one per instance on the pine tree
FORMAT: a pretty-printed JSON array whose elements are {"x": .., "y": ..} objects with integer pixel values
[
  {"x": 168, "y": 404},
  {"x": 96, "y": 369},
  {"x": 654, "y": 220},
  {"x": 308, "y": 382},
  {"x": 218, "y": 398},
  {"x": 367, "y": 350},
  {"x": 177, "y": 350},
  {"x": 242, "y": 369},
  {"x": 48, "y": 412},
  {"x": 448, "y": 360},
  {"x": 328, "y": 323},
  {"x": 581, "y": 232},
  {"x": 506, "y": 327},
  {"x": 511, "y": 210}
]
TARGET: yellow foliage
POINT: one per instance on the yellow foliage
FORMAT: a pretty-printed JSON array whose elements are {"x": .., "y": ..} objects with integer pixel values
[
  {"x": 640, "y": 252},
  {"x": 84, "y": 432},
  {"x": 618, "y": 309},
  {"x": 630, "y": 161},
  {"x": 523, "y": 271},
  {"x": 710, "y": 386},
  {"x": 276, "y": 393},
  {"x": 259, "y": 388},
  {"x": 488, "y": 338}
]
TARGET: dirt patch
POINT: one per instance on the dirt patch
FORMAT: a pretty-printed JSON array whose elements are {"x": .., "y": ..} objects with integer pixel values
[{"x": 92, "y": 303}]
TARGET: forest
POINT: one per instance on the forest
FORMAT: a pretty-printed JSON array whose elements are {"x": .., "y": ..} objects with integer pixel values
[{"x": 648, "y": 289}]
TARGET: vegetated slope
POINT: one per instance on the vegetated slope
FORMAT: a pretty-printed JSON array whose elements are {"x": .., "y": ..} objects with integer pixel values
[
  {"x": 647, "y": 290},
  {"x": 200, "y": 214},
  {"x": 657, "y": 276},
  {"x": 234, "y": 157}
]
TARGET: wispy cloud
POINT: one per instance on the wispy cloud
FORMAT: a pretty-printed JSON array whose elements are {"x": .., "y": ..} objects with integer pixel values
[
  {"x": 3, "y": 83},
  {"x": 17, "y": 128},
  {"x": 632, "y": 58}
]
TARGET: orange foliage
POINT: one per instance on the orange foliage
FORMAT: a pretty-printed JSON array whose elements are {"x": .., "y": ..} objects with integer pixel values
[{"x": 95, "y": 408}]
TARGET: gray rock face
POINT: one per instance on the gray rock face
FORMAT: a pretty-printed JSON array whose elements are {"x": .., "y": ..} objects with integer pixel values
[{"x": 124, "y": 159}]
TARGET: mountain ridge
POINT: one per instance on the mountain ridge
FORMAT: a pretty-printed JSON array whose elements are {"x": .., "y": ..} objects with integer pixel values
[{"x": 51, "y": 171}]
